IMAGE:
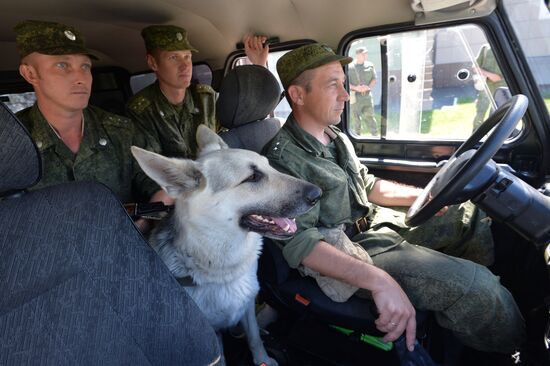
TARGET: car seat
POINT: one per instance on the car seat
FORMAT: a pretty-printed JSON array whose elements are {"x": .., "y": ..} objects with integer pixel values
[
  {"x": 248, "y": 94},
  {"x": 78, "y": 283}
]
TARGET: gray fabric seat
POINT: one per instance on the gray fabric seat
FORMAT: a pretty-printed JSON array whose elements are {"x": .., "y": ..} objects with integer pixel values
[
  {"x": 78, "y": 283},
  {"x": 248, "y": 94}
]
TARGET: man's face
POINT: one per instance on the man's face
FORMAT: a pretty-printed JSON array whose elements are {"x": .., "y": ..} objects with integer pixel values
[
  {"x": 361, "y": 57},
  {"x": 327, "y": 96},
  {"x": 173, "y": 68},
  {"x": 64, "y": 81}
]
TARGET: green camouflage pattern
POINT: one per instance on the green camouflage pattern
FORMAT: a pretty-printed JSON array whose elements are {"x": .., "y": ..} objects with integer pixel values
[
  {"x": 166, "y": 38},
  {"x": 299, "y": 154},
  {"x": 49, "y": 38},
  {"x": 104, "y": 154},
  {"x": 487, "y": 61},
  {"x": 465, "y": 297},
  {"x": 307, "y": 57},
  {"x": 170, "y": 130},
  {"x": 362, "y": 111}
]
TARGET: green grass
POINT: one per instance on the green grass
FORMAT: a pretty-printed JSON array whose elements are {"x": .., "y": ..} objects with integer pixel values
[{"x": 450, "y": 122}]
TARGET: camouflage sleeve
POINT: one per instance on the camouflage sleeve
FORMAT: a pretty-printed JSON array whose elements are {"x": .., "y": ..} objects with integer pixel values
[
  {"x": 307, "y": 236},
  {"x": 368, "y": 179},
  {"x": 352, "y": 75},
  {"x": 139, "y": 112},
  {"x": 142, "y": 185},
  {"x": 480, "y": 60}
]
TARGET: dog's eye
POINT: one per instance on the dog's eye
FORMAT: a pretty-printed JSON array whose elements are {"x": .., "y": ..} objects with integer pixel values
[{"x": 253, "y": 178}]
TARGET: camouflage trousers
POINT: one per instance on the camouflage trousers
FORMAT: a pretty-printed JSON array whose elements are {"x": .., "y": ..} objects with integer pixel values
[
  {"x": 362, "y": 116},
  {"x": 465, "y": 297},
  {"x": 483, "y": 104}
]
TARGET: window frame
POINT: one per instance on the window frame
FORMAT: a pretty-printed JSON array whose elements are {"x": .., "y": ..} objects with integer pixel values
[{"x": 424, "y": 156}]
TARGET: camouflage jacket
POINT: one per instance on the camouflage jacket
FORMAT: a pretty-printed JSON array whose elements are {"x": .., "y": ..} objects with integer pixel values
[
  {"x": 171, "y": 131},
  {"x": 487, "y": 61},
  {"x": 463, "y": 231},
  {"x": 104, "y": 154},
  {"x": 344, "y": 180},
  {"x": 361, "y": 74}
]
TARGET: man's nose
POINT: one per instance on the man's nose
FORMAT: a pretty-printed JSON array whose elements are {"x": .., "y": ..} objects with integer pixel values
[{"x": 344, "y": 95}]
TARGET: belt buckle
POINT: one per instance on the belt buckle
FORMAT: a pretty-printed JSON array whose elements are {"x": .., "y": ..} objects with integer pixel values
[{"x": 363, "y": 220}]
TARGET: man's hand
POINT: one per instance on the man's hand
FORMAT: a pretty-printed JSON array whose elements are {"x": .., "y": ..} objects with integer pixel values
[
  {"x": 255, "y": 50},
  {"x": 396, "y": 311},
  {"x": 397, "y": 315}
]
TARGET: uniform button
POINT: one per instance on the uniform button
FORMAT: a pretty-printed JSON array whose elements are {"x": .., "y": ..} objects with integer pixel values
[
  {"x": 196, "y": 110},
  {"x": 102, "y": 142},
  {"x": 39, "y": 144},
  {"x": 161, "y": 113},
  {"x": 275, "y": 148},
  {"x": 277, "y": 143}
]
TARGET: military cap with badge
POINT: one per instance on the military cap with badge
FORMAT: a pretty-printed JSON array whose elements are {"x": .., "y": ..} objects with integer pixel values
[
  {"x": 307, "y": 57},
  {"x": 166, "y": 38},
  {"x": 49, "y": 38}
]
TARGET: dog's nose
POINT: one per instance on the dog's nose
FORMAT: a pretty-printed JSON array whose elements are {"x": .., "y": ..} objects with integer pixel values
[{"x": 312, "y": 194}]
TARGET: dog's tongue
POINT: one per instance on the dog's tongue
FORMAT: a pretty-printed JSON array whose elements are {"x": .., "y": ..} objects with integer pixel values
[{"x": 288, "y": 225}]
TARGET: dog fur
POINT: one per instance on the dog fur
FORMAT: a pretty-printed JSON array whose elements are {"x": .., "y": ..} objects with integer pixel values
[{"x": 224, "y": 202}]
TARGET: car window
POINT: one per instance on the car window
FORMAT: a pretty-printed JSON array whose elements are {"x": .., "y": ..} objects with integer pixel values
[
  {"x": 283, "y": 108},
  {"x": 432, "y": 85},
  {"x": 531, "y": 22},
  {"x": 18, "y": 101}
]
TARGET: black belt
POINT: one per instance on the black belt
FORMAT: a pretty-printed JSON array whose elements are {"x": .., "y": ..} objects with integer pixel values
[{"x": 360, "y": 225}]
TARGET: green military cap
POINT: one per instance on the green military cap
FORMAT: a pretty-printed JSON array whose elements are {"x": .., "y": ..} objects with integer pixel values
[
  {"x": 166, "y": 37},
  {"x": 49, "y": 38},
  {"x": 307, "y": 57}
]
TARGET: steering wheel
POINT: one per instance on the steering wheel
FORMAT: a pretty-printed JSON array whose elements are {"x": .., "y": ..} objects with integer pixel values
[{"x": 448, "y": 185}]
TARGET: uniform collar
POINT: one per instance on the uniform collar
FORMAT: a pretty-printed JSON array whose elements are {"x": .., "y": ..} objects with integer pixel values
[
  {"x": 307, "y": 141},
  {"x": 42, "y": 133},
  {"x": 188, "y": 103}
]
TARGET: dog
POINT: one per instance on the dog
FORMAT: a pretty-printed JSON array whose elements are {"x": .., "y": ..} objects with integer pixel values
[{"x": 225, "y": 201}]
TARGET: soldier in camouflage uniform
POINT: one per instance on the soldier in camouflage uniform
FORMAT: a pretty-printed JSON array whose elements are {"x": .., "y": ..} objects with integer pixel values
[
  {"x": 465, "y": 297},
  {"x": 362, "y": 79},
  {"x": 490, "y": 73},
  {"x": 76, "y": 141},
  {"x": 170, "y": 110}
]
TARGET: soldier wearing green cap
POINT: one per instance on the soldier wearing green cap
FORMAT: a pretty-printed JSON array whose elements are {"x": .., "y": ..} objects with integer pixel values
[
  {"x": 362, "y": 79},
  {"x": 170, "y": 110},
  {"x": 76, "y": 141},
  {"x": 465, "y": 296}
]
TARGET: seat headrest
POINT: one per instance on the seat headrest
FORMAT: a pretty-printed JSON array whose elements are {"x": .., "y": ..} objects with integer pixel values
[
  {"x": 247, "y": 94},
  {"x": 20, "y": 163}
]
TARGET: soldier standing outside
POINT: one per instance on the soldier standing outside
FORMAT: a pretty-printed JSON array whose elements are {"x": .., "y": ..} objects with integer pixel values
[
  {"x": 362, "y": 79},
  {"x": 490, "y": 75}
]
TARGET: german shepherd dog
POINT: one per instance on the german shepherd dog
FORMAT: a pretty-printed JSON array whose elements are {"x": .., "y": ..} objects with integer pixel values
[{"x": 224, "y": 202}]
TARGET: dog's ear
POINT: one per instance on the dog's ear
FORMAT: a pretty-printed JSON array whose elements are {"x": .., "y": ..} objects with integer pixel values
[
  {"x": 208, "y": 140},
  {"x": 175, "y": 176}
]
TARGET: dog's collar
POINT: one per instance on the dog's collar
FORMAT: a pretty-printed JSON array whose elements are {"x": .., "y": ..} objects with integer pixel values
[{"x": 186, "y": 281}]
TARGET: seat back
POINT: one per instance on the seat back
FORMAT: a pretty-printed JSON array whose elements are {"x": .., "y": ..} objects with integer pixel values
[
  {"x": 248, "y": 94},
  {"x": 78, "y": 283}
]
